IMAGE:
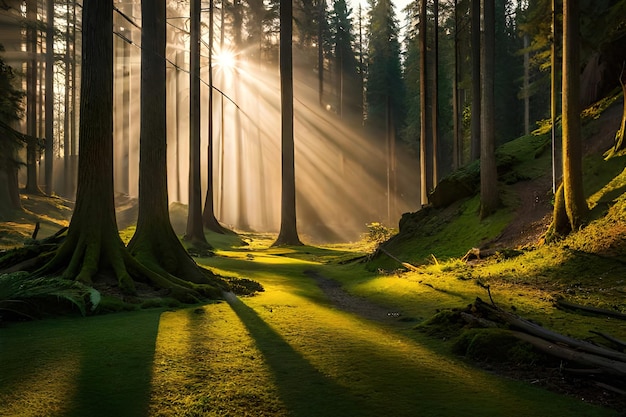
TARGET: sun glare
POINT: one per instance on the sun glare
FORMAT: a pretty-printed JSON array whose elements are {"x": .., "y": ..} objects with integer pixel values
[{"x": 226, "y": 60}]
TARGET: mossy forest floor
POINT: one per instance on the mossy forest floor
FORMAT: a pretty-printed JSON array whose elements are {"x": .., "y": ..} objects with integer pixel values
[
  {"x": 339, "y": 331},
  {"x": 327, "y": 337}
]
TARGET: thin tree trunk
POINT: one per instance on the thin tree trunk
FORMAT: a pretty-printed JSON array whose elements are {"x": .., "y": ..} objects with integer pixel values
[
  {"x": 557, "y": 163},
  {"x": 476, "y": 78},
  {"x": 208, "y": 216},
  {"x": 32, "y": 147},
  {"x": 49, "y": 100},
  {"x": 575, "y": 203},
  {"x": 288, "y": 234},
  {"x": 488, "y": 171},
  {"x": 195, "y": 230},
  {"x": 320, "y": 50},
  {"x": 456, "y": 140},
  {"x": 435, "y": 97},
  {"x": 424, "y": 125}
]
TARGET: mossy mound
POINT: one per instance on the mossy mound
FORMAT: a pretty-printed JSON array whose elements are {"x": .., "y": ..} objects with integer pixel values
[{"x": 494, "y": 345}]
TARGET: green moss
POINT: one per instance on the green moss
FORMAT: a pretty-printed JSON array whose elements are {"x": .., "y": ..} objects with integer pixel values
[
  {"x": 494, "y": 345},
  {"x": 110, "y": 304}
]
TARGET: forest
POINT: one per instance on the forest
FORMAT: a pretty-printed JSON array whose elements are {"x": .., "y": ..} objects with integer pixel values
[{"x": 312, "y": 208}]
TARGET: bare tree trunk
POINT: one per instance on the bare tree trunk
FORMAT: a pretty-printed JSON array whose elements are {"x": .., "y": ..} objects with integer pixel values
[
  {"x": 456, "y": 140},
  {"x": 575, "y": 203},
  {"x": 488, "y": 172},
  {"x": 288, "y": 234},
  {"x": 435, "y": 98},
  {"x": 49, "y": 103},
  {"x": 32, "y": 147},
  {"x": 476, "y": 78},
  {"x": 320, "y": 50},
  {"x": 208, "y": 215},
  {"x": 195, "y": 229},
  {"x": 557, "y": 163},
  {"x": 424, "y": 128},
  {"x": 155, "y": 244}
]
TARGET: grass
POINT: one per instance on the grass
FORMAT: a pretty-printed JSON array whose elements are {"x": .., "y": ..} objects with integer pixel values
[
  {"x": 289, "y": 352},
  {"x": 284, "y": 352}
]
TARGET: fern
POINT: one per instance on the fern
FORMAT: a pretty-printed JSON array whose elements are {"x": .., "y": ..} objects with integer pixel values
[{"x": 21, "y": 287}]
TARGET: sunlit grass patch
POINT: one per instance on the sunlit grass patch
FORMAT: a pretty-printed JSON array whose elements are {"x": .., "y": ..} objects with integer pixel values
[{"x": 207, "y": 364}]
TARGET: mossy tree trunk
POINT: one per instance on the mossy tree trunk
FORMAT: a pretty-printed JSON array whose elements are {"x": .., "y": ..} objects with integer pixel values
[
  {"x": 93, "y": 242},
  {"x": 93, "y": 245},
  {"x": 573, "y": 194},
  {"x": 620, "y": 144},
  {"x": 155, "y": 243},
  {"x": 288, "y": 234}
]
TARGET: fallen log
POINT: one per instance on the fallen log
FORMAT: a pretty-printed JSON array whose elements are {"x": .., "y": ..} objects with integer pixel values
[
  {"x": 619, "y": 343},
  {"x": 605, "y": 365},
  {"x": 563, "y": 304},
  {"x": 550, "y": 336}
]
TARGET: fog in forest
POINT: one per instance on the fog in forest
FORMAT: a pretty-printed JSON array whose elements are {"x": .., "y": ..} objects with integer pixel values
[{"x": 345, "y": 177}]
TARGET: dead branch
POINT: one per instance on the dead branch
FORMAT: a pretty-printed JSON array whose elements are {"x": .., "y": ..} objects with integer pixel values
[
  {"x": 589, "y": 309},
  {"x": 404, "y": 264},
  {"x": 549, "y": 336}
]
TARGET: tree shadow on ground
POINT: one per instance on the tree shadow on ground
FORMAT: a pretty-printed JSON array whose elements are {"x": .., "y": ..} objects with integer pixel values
[
  {"x": 321, "y": 396},
  {"x": 116, "y": 367}
]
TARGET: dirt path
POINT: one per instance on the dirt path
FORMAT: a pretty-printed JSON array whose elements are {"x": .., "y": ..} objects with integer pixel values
[{"x": 353, "y": 304}]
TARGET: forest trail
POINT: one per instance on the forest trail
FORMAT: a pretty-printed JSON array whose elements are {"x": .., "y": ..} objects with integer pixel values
[{"x": 353, "y": 304}]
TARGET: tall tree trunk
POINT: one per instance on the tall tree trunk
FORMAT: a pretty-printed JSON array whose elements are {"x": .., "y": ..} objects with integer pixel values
[
  {"x": 288, "y": 234},
  {"x": 208, "y": 215},
  {"x": 456, "y": 125},
  {"x": 557, "y": 163},
  {"x": 320, "y": 49},
  {"x": 435, "y": 97},
  {"x": 93, "y": 242},
  {"x": 32, "y": 147},
  {"x": 526, "y": 85},
  {"x": 424, "y": 125},
  {"x": 475, "y": 146},
  {"x": 68, "y": 104},
  {"x": 195, "y": 230},
  {"x": 155, "y": 243},
  {"x": 575, "y": 203},
  {"x": 49, "y": 104},
  {"x": 488, "y": 171},
  {"x": 93, "y": 245}
]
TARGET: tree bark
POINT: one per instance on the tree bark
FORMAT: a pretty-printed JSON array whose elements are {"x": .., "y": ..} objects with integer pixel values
[
  {"x": 488, "y": 169},
  {"x": 93, "y": 245},
  {"x": 32, "y": 147},
  {"x": 155, "y": 244},
  {"x": 49, "y": 100},
  {"x": 424, "y": 123},
  {"x": 288, "y": 234},
  {"x": 195, "y": 228},
  {"x": 575, "y": 203},
  {"x": 619, "y": 136},
  {"x": 475, "y": 122},
  {"x": 435, "y": 98},
  {"x": 93, "y": 241},
  {"x": 208, "y": 215}
]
